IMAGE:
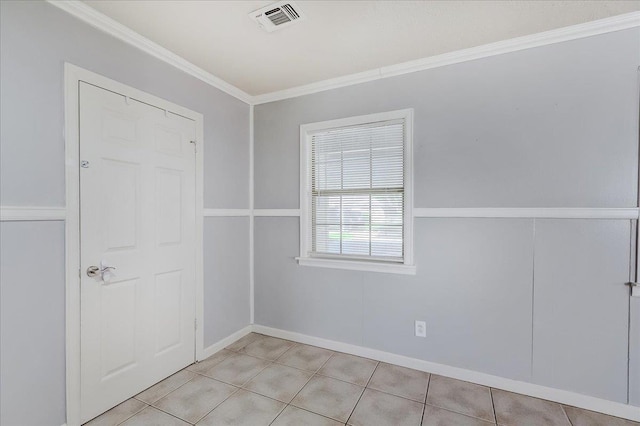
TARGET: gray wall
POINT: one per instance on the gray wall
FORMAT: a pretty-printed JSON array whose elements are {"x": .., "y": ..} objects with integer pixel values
[
  {"x": 226, "y": 268},
  {"x": 580, "y": 270},
  {"x": 554, "y": 126},
  {"x": 32, "y": 323},
  {"x": 35, "y": 41}
]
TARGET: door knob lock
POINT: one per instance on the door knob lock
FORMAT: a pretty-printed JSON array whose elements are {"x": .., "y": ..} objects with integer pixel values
[{"x": 94, "y": 271}]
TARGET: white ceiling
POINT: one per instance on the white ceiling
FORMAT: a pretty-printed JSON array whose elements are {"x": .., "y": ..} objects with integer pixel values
[{"x": 338, "y": 37}]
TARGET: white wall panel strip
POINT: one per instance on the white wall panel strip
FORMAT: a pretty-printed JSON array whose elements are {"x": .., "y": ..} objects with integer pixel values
[
  {"x": 537, "y": 213},
  {"x": 21, "y": 213},
  {"x": 499, "y": 212},
  {"x": 251, "y": 218},
  {"x": 226, "y": 212},
  {"x": 276, "y": 212}
]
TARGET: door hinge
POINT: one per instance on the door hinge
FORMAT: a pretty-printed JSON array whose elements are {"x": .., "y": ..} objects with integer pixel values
[
  {"x": 195, "y": 145},
  {"x": 195, "y": 323}
]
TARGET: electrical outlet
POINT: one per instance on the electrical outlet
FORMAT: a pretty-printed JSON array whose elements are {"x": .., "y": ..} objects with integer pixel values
[{"x": 421, "y": 329}]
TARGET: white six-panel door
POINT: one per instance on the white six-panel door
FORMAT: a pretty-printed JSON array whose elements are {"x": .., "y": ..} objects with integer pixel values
[{"x": 137, "y": 215}]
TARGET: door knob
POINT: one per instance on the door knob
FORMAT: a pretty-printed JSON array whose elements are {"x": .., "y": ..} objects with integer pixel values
[{"x": 93, "y": 271}]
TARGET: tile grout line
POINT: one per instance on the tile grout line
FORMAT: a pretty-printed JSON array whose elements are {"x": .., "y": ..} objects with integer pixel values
[
  {"x": 168, "y": 393},
  {"x": 302, "y": 369},
  {"x": 363, "y": 390},
  {"x": 312, "y": 376},
  {"x": 172, "y": 415},
  {"x": 426, "y": 395},
  {"x": 119, "y": 423},
  {"x": 253, "y": 393},
  {"x": 424, "y": 406},
  {"x": 493, "y": 407},
  {"x": 294, "y": 396},
  {"x": 566, "y": 415},
  {"x": 458, "y": 412},
  {"x": 217, "y": 405}
]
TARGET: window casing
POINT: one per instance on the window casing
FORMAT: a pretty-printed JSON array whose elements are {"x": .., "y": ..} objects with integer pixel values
[{"x": 356, "y": 193}]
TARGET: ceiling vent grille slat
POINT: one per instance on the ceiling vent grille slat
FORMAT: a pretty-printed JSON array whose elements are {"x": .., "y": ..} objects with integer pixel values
[{"x": 291, "y": 11}]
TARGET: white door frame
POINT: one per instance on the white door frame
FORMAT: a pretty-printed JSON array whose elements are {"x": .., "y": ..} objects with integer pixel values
[{"x": 73, "y": 75}]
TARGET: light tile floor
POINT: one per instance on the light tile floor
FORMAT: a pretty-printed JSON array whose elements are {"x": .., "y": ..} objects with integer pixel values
[{"x": 261, "y": 380}]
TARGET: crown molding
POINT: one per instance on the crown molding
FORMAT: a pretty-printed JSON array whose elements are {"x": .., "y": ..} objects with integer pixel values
[
  {"x": 102, "y": 22},
  {"x": 573, "y": 32}
]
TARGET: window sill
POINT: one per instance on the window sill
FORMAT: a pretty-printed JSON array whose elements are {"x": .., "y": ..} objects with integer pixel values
[{"x": 354, "y": 265}]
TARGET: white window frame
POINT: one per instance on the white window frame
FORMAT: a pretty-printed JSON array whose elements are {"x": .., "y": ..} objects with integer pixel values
[{"x": 306, "y": 133}]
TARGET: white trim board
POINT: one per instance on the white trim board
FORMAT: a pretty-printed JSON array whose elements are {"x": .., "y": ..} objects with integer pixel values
[
  {"x": 25, "y": 213},
  {"x": 226, "y": 212},
  {"x": 559, "y": 35},
  {"x": 102, "y": 22},
  {"x": 631, "y": 213},
  {"x": 564, "y": 397},
  {"x": 276, "y": 212},
  {"x": 251, "y": 217},
  {"x": 533, "y": 213},
  {"x": 223, "y": 343},
  {"x": 73, "y": 75}
]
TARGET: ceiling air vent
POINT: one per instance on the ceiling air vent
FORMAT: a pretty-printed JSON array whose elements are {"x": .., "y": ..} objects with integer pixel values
[{"x": 277, "y": 15}]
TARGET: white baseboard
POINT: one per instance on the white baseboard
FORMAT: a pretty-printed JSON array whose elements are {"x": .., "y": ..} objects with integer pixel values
[
  {"x": 561, "y": 396},
  {"x": 221, "y": 344}
]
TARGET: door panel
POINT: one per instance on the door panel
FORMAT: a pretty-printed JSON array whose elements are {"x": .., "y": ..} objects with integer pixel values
[
  {"x": 120, "y": 183},
  {"x": 137, "y": 211},
  {"x": 168, "y": 293},
  {"x": 119, "y": 331},
  {"x": 581, "y": 306}
]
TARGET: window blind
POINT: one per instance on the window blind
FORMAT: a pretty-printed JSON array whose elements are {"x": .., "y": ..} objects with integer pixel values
[{"x": 357, "y": 192}]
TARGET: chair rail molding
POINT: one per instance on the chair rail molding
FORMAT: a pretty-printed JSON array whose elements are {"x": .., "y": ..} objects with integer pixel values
[
  {"x": 531, "y": 213},
  {"x": 626, "y": 213},
  {"x": 32, "y": 213},
  {"x": 226, "y": 212}
]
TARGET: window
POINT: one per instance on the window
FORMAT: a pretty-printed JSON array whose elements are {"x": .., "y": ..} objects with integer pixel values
[{"x": 356, "y": 193}]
